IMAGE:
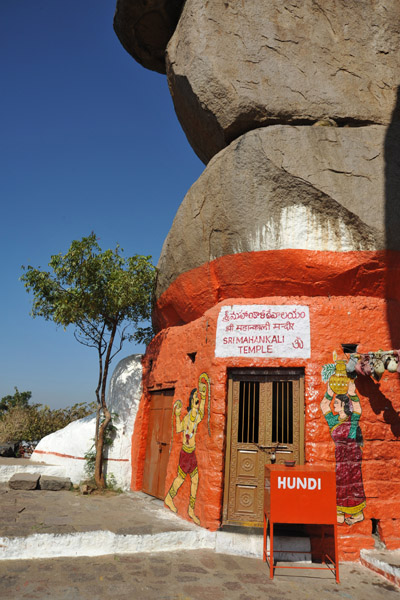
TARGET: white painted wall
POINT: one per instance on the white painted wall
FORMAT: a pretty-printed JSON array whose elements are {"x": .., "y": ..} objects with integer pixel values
[{"x": 67, "y": 447}]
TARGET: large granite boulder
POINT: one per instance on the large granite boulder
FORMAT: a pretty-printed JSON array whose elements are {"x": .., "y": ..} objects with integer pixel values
[
  {"x": 280, "y": 187},
  {"x": 144, "y": 28},
  {"x": 234, "y": 66}
]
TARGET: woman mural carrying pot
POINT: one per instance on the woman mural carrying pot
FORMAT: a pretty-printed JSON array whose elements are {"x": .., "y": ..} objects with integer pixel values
[{"x": 342, "y": 410}]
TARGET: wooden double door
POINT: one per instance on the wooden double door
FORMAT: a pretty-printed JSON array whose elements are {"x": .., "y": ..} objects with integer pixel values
[
  {"x": 265, "y": 422},
  {"x": 158, "y": 443}
]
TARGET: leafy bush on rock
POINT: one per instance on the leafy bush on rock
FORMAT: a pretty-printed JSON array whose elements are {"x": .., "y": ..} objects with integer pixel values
[{"x": 30, "y": 423}]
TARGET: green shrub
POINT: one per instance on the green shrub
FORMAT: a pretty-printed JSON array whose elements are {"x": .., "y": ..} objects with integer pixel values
[
  {"x": 31, "y": 423},
  {"x": 20, "y": 399}
]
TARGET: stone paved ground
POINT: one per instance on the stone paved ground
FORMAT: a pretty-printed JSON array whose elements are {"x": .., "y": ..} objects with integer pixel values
[
  {"x": 194, "y": 575},
  {"x": 191, "y": 575},
  {"x": 24, "y": 513}
]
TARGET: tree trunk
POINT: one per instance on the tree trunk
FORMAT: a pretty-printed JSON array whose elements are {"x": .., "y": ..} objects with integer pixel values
[
  {"x": 97, "y": 392},
  {"x": 98, "y": 469}
]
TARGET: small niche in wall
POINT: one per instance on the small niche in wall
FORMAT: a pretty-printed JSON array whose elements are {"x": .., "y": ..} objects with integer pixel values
[
  {"x": 375, "y": 534},
  {"x": 375, "y": 523},
  {"x": 192, "y": 356}
]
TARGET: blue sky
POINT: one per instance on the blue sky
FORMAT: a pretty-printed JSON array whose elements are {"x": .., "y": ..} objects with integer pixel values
[{"x": 89, "y": 142}]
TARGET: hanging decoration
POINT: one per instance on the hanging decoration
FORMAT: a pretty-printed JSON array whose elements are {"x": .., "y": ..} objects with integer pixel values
[{"x": 371, "y": 364}]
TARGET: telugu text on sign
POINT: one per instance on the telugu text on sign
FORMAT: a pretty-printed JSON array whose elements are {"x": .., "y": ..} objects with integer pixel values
[{"x": 263, "y": 331}]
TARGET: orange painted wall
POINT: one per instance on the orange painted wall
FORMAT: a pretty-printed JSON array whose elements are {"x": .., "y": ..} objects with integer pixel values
[
  {"x": 372, "y": 320},
  {"x": 291, "y": 272}
]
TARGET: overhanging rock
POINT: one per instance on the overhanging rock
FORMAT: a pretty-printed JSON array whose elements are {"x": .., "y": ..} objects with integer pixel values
[
  {"x": 234, "y": 66},
  {"x": 144, "y": 28}
]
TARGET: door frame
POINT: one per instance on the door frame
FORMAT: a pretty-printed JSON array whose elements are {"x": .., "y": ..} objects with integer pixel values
[
  {"x": 258, "y": 374},
  {"x": 164, "y": 446}
]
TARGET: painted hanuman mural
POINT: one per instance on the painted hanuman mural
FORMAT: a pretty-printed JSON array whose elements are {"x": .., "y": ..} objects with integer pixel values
[
  {"x": 187, "y": 458},
  {"x": 343, "y": 419}
]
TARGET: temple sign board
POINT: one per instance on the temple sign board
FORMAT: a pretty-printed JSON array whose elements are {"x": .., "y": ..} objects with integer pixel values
[{"x": 263, "y": 331}]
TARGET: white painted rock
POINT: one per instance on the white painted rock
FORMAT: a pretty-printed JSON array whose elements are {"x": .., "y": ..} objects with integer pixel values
[
  {"x": 236, "y": 65},
  {"x": 69, "y": 445},
  {"x": 281, "y": 187}
]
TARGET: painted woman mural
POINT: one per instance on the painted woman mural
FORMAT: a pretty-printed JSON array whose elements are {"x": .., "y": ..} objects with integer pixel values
[
  {"x": 343, "y": 419},
  {"x": 187, "y": 458}
]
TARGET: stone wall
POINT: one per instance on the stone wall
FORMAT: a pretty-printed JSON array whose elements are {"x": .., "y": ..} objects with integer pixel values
[{"x": 167, "y": 365}]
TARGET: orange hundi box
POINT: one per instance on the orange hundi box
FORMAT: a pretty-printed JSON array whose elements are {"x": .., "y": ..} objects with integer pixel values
[{"x": 301, "y": 494}]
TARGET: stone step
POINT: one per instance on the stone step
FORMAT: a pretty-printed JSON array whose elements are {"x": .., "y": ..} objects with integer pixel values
[
  {"x": 33, "y": 481},
  {"x": 10, "y": 466},
  {"x": 24, "y": 481},
  {"x": 55, "y": 484},
  {"x": 286, "y": 548},
  {"x": 383, "y": 562},
  {"x": 98, "y": 543}
]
